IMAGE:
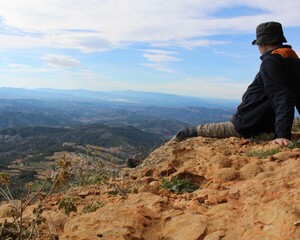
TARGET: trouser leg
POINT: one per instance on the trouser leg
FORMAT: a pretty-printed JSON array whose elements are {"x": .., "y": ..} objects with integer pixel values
[{"x": 217, "y": 130}]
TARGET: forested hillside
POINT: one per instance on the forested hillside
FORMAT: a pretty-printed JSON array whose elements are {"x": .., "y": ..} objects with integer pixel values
[{"x": 17, "y": 142}]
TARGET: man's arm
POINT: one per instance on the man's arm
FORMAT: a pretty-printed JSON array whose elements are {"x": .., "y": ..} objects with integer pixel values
[{"x": 276, "y": 87}]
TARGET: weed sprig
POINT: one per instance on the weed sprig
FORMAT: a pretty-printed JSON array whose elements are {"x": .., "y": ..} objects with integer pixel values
[{"x": 178, "y": 185}]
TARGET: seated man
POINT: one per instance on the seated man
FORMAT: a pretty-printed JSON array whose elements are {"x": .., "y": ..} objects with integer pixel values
[{"x": 268, "y": 103}]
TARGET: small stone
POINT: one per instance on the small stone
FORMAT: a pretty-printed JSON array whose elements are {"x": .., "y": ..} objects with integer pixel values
[
  {"x": 283, "y": 156},
  {"x": 227, "y": 174},
  {"x": 185, "y": 226},
  {"x": 154, "y": 187},
  {"x": 297, "y": 223},
  {"x": 234, "y": 193},
  {"x": 84, "y": 194},
  {"x": 267, "y": 199},
  {"x": 222, "y": 161},
  {"x": 215, "y": 235},
  {"x": 147, "y": 180},
  {"x": 250, "y": 170},
  {"x": 211, "y": 200}
]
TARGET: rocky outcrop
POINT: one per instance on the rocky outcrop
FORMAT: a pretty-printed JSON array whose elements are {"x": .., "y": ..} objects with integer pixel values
[{"x": 241, "y": 196}]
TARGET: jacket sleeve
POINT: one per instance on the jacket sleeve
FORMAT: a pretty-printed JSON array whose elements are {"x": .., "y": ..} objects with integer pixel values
[{"x": 275, "y": 83}]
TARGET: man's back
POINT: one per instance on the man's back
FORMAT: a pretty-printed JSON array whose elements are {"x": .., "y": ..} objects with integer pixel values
[{"x": 268, "y": 104}]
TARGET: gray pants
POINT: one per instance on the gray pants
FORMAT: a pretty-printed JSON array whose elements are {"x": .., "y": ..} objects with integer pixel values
[{"x": 217, "y": 130}]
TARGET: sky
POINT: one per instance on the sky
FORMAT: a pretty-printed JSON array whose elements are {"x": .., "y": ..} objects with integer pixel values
[{"x": 187, "y": 47}]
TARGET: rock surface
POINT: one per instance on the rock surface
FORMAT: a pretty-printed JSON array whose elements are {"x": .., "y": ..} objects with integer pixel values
[{"x": 240, "y": 197}]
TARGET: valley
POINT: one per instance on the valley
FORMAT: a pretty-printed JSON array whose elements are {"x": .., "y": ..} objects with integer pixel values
[{"x": 38, "y": 126}]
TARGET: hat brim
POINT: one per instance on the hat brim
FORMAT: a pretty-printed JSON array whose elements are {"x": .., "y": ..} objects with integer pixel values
[{"x": 281, "y": 40}]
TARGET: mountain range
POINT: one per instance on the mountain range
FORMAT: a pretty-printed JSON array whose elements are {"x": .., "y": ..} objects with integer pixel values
[
  {"x": 125, "y": 97},
  {"x": 40, "y": 120},
  {"x": 152, "y": 112}
]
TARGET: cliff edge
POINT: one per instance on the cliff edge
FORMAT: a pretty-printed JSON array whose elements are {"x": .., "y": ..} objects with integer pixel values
[{"x": 198, "y": 189}]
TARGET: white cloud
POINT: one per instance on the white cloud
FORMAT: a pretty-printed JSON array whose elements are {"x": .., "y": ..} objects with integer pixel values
[
  {"x": 24, "y": 69},
  {"x": 228, "y": 54},
  {"x": 55, "y": 78},
  {"x": 100, "y": 25},
  {"x": 160, "y": 59},
  {"x": 60, "y": 60},
  {"x": 154, "y": 55},
  {"x": 159, "y": 67},
  {"x": 15, "y": 65},
  {"x": 188, "y": 43}
]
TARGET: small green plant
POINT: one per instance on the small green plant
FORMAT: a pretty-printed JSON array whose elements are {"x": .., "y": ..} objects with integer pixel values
[
  {"x": 179, "y": 185},
  {"x": 93, "y": 173},
  {"x": 93, "y": 207},
  {"x": 263, "y": 153},
  {"x": 296, "y": 125},
  {"x": 295, "y": 144},
  {"x": 39, "y": 219},
  {"x": 21, "y": 228},
  {"x": 121, "y": 187},
  {"x": 68, "y": 205},
  {"x": 262, "y": 137}
]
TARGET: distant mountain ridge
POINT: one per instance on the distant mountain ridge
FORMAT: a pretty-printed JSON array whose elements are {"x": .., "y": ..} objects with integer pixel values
[
  {"x": 154, "y": 112},
  {"x": 116, "y": 97}
]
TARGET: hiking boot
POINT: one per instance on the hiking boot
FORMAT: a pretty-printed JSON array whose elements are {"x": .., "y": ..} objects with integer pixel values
[{"x": 185, "y": 133}]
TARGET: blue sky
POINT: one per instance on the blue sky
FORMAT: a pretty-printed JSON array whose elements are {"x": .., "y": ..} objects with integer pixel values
[{"x": 187, "y": 47}]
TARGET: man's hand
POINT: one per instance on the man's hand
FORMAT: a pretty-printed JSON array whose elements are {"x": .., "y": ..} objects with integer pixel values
[{"x": 281, "y": 141}]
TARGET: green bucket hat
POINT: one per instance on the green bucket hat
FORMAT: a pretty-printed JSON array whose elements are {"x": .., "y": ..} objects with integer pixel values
[{"x": 268, "y": 33}]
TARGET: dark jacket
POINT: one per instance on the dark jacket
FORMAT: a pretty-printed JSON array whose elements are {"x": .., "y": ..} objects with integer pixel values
[{"x": 268, "y": 104}]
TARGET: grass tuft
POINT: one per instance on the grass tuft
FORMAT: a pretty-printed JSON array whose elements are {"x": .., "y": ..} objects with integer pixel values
[
  {"x": 178, "y": 185},
  {"x": 263, "y": 153}
]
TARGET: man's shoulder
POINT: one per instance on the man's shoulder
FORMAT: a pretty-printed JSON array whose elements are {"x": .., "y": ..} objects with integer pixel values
[{"x": 285, "y": 52}]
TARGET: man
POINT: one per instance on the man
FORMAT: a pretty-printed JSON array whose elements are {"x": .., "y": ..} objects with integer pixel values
[{"x": 268, "y": 103}]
